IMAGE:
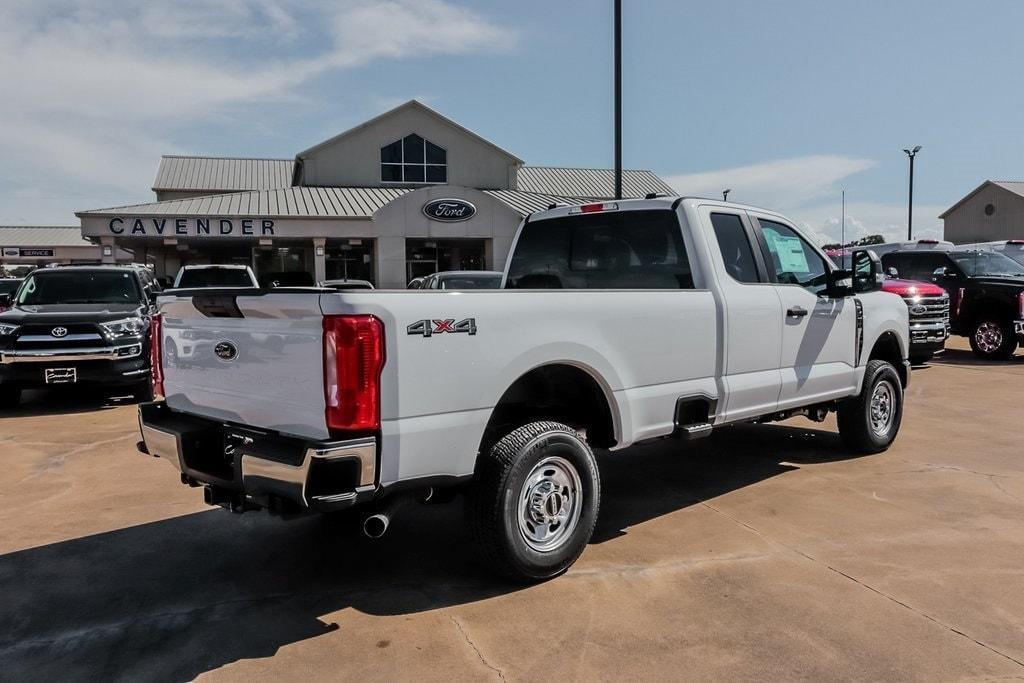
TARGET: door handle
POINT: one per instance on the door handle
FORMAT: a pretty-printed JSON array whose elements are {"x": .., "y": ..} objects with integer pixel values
[{"x": 796, "y": 312}]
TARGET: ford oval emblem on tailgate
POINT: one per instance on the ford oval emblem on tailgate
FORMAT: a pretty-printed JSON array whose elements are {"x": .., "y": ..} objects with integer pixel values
[{"x": 225, "y": 350}]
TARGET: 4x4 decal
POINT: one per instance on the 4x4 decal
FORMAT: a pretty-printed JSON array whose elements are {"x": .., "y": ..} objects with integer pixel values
[{"x": 427, "y": 328}]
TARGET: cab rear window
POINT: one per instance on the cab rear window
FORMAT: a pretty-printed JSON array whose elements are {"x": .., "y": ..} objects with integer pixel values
[{"x": 614, "y": 250}]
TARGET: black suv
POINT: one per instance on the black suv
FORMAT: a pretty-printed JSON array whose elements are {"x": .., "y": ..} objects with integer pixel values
[
  {"x": 77, "y": 325},
  {"x": 986, "y": 292}
]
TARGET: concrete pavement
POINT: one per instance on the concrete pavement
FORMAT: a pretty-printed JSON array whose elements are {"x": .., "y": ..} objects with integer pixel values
[{"x": 764, "y": 551}]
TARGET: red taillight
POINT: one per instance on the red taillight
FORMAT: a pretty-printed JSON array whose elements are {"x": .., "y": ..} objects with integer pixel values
[
  {"x": 1020, "y": 305},
  {"x": 594, "y": 208},
  {"x": 959, "y": 300},
  {"x": 353, "y": 360},
  {"x": 156, "y": 363}
]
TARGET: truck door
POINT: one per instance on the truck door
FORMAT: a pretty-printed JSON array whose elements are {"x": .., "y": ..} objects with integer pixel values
[
  {"x": 751, "y": 316},
  {"x": 818, "y": 333}
]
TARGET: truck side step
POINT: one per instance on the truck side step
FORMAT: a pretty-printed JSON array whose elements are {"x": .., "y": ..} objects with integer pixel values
[{"x": 697, "y": 430}]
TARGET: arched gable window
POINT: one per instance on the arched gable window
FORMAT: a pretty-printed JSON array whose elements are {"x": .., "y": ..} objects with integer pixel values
[{"x": 413, "y": 160}]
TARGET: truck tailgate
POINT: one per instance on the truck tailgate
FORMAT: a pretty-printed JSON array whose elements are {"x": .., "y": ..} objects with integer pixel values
[{"x": 254, "y": 359}]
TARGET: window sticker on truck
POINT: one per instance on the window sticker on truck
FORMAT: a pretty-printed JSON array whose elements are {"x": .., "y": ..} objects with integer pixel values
[{"x": 428, "y": 328}]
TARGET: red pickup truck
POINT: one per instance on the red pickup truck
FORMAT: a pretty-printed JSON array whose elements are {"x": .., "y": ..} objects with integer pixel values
[{"x": 928, "y": 305}]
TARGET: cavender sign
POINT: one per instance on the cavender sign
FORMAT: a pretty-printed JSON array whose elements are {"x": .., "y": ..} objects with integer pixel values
[{"x": 192, "y": 227}]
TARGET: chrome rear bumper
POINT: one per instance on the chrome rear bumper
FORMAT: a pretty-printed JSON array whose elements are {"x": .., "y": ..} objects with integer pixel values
[{"x": 317, "y": 475}]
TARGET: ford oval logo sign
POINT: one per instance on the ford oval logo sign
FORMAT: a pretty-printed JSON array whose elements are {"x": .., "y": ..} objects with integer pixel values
[
  {"x": 449, "y": 210},
  {"x": 918, "y": 310},
  {"x": 226, "y": 351}
]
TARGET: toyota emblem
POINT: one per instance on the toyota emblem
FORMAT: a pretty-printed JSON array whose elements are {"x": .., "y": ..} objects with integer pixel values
[{"x": 59, "y": 332}]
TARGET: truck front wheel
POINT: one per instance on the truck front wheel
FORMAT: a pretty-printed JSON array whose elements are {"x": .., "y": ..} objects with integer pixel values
[
  {"x": 993, "y": 339},
  {"x": 534, "y": 501},
  {"x": 869, "y": 421}
]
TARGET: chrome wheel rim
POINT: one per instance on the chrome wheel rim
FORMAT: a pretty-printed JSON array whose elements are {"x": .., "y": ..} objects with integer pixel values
[
  {"x": 883, "y": 407},
  {"x": 550, "y": 504},
  {"x": 988, "y": 337}
]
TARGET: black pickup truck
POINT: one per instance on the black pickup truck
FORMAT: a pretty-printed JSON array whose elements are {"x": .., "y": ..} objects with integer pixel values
[
  {"x": 986, "y": 292},
  {"x": 77, "y": 325}
]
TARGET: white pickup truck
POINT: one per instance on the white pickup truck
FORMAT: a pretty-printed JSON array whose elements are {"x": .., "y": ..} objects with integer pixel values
[{"x": 617, "y": 323}]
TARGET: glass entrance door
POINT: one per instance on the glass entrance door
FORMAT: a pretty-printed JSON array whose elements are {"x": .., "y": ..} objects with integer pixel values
[{"x": 427, "y": 256}]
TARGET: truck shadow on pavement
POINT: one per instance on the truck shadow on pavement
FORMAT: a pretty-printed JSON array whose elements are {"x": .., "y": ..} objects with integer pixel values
[
  {"x": 172, "y": 599},
  {"x": 967, "y": 358},
  {"x": 37, "y": 403}
]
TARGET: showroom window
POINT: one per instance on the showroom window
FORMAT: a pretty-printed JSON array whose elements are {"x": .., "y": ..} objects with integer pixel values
[{"x": 413, "y": 160}]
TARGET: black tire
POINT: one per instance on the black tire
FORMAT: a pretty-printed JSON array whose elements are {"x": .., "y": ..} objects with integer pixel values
[
  {"x": 992, "y": 338},
  {"x": 859, "y": 431},
  {"x": 500, "y": 487},
  {"x": 10, "y": 397}
]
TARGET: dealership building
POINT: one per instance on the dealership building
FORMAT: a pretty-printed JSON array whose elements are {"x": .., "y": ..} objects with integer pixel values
[{"x": 403, "y": 195}]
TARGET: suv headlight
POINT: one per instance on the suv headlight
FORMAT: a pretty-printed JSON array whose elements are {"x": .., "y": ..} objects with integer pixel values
[
  {"x": 126, "y": 327},
  {"x": 7, "y": 329}
]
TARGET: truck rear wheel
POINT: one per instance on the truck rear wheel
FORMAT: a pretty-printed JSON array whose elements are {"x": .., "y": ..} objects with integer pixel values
[
  {"x": 534, "y": 501},
  {"x": 869, "y": 421},
  {"x": 993, "y": 339}
]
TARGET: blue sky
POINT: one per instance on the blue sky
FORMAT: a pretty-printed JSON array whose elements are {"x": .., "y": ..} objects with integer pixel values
[{"x": 785, "y": 102}]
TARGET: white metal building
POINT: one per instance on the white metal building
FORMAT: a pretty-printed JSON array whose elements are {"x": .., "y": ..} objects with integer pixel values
[
  {"x": 39, "y": 245},
  {"x": 405, "y": 194}
]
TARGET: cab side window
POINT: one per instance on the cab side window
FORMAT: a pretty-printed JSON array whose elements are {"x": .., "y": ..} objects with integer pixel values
[
  {"x": 735, "y": 247},
  {"x": 793, "y": 260}
]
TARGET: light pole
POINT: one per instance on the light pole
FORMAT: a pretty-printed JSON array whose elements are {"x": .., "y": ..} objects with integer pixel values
[
  {"x": 911, "y": 153},
  {"x": 725, "y": 195},
  {"x": 618, "y": 99}
]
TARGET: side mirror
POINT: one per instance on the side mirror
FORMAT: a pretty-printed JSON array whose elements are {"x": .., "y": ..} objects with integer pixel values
[
  {"x": 867, "y": 272},
  {"x": 840, "y": 283},
  {"x": 943, "y": 272},
  {"x": 5, "y": 301},
  {"x": 892, "y": 272}
]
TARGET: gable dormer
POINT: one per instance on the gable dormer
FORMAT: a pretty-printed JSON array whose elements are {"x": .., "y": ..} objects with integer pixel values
[{"x": 409, "y": 146}]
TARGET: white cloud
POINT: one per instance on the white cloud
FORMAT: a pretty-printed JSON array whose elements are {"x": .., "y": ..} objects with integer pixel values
[
  {"x": 808, "y": 190},
  {"x": 788, "y": 182},
  {"x": 94, "y": 92}
]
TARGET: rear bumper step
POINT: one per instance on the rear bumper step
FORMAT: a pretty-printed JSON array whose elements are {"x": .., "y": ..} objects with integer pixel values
[{"x": 245, "y": 469}]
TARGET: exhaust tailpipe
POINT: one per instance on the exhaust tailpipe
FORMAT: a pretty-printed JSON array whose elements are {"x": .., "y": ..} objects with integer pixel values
[{"x": 377, "y": 524}]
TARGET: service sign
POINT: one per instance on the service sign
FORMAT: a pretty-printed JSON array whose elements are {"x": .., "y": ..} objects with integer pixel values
[
  {"x": 30, "y": 253},
  {"x": 449, "y": 210}
]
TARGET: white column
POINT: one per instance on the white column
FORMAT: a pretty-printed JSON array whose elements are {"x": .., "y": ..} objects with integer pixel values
[
  {"x": 108, "y": 249},
  {"x": 320, "y": 258},
  {"x": 389, "y": 252}
]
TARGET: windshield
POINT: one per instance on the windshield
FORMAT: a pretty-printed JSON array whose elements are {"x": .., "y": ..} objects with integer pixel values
[
  {"x": 987, "y": 263},
  {"x": 215, "y": 277},
  {"x": 471, "y": 281},
  {"x": 79, "y": 287},
  {"x": 8, "y": 286}
]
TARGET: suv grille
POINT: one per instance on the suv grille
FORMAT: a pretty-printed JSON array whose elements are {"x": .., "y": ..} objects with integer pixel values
[
  {"x": 34, "y": 337},
  {"x": 929, "y": 309}
]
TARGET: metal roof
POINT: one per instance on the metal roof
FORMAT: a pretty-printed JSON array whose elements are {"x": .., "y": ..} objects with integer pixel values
[
  {"x": 525, "y": 203},
  {"x": 588, "y": 182},
  {"x": 218, "y": 174},
  {"x": 42, "y": 236},
  {"x": 296, "y": 202}
]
